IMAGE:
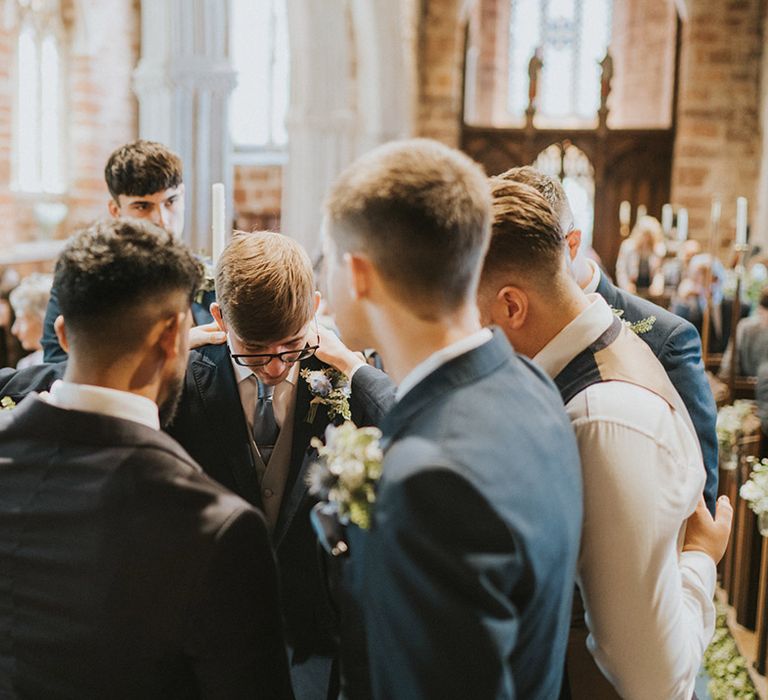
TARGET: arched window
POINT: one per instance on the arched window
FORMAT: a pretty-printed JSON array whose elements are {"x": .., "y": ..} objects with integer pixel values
[
  {"x": 39, "y": 127},
  {"x": 572, "y": 36},
  {"x": 572, "y": 167},
  {"x": 259, "y": 53}
]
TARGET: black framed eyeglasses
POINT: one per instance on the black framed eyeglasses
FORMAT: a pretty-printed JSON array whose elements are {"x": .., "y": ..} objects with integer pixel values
[{"x": 287, "y": 356}]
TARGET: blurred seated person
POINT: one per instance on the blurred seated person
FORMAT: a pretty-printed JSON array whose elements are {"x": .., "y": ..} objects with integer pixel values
[
  {"x": 638, "y": 266},
  {"x": 29, "y": 301},
  {"x": 751, "y": 342},
  {"x": 691, "y": 301},
  {"x": 676, "y": 269}
]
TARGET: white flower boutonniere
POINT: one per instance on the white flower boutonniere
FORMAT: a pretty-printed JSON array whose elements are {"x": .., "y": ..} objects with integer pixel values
[
  {"x": 328, "y": 387},
  {"x": 346, "y": 475},
  {"x": 638, "y": 327},
  {"x": 7, "y": 404}
]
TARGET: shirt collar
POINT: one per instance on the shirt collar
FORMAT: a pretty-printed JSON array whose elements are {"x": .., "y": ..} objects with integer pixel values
[
  {"x": 100, "y": 399},
  {"x": 243, "y": 374},
  {"x": 594, "y": 281},
  {"x": 579, "y": 334},
  {"x": 439, "y": 358}
]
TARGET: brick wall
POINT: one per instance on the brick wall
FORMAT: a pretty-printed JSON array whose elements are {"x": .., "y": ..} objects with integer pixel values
[
  {"x": 257, "y": 192},
  {"x": 100, "y": 108},
  {"x": 643, "y": 50},
  {"x": 718, "y": 142}
]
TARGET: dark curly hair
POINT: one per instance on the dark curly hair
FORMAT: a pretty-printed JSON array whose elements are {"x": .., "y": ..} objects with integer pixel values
[{"x": 141, "y": 168}]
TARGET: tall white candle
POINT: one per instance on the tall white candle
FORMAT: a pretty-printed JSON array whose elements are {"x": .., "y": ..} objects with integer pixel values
[
  {"x": 625, "y": 213},
  {"x": 666, "y": 219},
  {"x": 642, "y": 210},
  {"x": 715, "y": 213},
  {"x": 741, "y": 221},
  {"x": 682, "y": 225},
  {"x": 218, "y": 221}
]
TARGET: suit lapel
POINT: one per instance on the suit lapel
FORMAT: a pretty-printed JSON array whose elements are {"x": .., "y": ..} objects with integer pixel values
[
  {"x": 301, "y": 452},
  {"x": 216, "y": 388}
]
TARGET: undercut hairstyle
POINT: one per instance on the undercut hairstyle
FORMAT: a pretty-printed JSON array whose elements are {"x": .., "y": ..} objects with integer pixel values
[
  {"x": 265, "y": 286},
  {"x": 527, "y": 241},
  {"x": 421, "y": 212},
  {"x": 547, "y": 186},
  {"x": 141, "y": 168},
  {"x": 120, "y": 275}
]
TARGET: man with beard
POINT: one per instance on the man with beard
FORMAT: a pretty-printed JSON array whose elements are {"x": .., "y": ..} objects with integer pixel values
[{"x": 125, "y": 571}]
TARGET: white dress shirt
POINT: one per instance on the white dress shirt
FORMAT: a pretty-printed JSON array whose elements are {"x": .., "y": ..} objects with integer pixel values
[
  {"x": 441, "y": 357},
  {"x": 248, "y": 388},
  {"x": 594, "y": 281},
  {"x": 100, "y": 399},
  {"x": 648, "y": 606}
]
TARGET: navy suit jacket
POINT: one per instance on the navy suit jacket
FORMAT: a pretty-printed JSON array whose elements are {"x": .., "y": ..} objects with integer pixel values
[
  {"x": 53, "y": 352},
  {"x": 677, "y": 345},
  {"x": 211, "y": 426},
  {"x": 465, "y": 579},
  {"x": 16, "y": 384}
]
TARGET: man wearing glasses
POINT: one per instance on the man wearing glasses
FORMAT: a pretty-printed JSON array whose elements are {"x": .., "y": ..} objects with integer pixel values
[{"x": 245, "y": 417}]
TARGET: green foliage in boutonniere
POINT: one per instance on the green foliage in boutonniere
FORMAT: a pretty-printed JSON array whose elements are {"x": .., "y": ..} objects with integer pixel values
[
  {"x": 346, "y": 475},
  {"x": 638, "y": 327},
  {"x": 328, "y": 387},
  {"x": 7, "y": 403},
  {"x": 209, "y": 281}
]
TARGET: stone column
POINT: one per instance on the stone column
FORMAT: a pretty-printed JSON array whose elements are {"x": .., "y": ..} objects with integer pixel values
[
  {"x": 183, "y": 82},
  {"x": 321, "y": 121}
]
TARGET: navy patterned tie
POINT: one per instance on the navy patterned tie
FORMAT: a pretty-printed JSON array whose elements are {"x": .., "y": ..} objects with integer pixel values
[{"x": 265, "y": 429}]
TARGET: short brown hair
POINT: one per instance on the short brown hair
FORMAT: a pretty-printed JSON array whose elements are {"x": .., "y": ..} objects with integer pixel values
[
  {"x": 265, "y": 286},
  {"x": 140, "y": 168},
  {"x": 421, "y": 211},
  {"x": 547, "y": 186},
  {"x": 526, "y": 238}
]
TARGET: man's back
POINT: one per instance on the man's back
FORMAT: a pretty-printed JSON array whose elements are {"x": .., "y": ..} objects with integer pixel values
[
  {"x": 124, "y": 572},
  {"x": 466, "y": 593}
]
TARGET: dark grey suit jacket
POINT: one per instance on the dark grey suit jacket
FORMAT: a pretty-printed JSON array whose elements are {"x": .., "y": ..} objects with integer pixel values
[
  {"x": 124, "y": 571},
  {"x": 211, "y": 426},
  {"x": 677, "y": 345},
  {"x": 465, "y": 579}
]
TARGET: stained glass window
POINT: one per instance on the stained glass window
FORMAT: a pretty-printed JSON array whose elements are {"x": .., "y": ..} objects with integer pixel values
[
  {"x": 259, "y": 53},
  {"x": 573, "y": 36},
  {"x": 572, "y": 167}
]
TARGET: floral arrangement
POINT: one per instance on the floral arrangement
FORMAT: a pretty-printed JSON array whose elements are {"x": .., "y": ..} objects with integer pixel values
[
  {"x": 348, "y": 470},
  {"x": 328, "y": 387},
  {"x": 755, "y": 489},
  {"x": 727, "y": 669},
  {"x": 209, "y": 280},
  {"x": 7, "y": 403},
  {"x": 638, "y": 327},
  {"x": 730, "y": 424}
]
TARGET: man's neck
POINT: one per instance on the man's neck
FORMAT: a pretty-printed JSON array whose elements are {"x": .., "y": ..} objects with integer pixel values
[
  {"x": 552, "y": 316},
  {"x": 120, "y": 376},
  {"x": 405, "y": 340}
]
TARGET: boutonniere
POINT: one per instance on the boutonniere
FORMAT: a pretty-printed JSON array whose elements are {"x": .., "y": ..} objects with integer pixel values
[
  {"x": 328, "y": 387},
  {"x": 209, "y": 281},
  {"x": 7, "y": 403},
  {"x": 638, "y": 327},
  {"x": 346, "y": 475}
]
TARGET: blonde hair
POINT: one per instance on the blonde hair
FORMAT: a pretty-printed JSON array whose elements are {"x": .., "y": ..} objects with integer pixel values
[
  {"x": 265, "y": 286},
  {"x": 421, "y": 211},
  {"x": 31, "y": 295}
]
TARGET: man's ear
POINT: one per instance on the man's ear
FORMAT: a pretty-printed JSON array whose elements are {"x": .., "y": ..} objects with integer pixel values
[
  {"x": 114, "y": 209},
  {"x": 360, "y": 273},
  {"x": 61, "y": 333},
  {"x": 510, "y": 308},
  {"x": 216, "y": 313},
  {"x": 318, "y": 297},
  {"x": 573, "y": 239},
  {"x": 168, "y": 340}
]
